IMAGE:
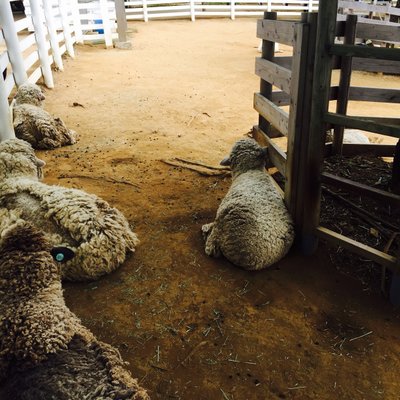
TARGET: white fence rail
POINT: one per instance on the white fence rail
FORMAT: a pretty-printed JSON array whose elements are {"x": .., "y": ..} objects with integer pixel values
[
  {"x": 152, "y": 9},
  {"x": 30, "y": 44}
]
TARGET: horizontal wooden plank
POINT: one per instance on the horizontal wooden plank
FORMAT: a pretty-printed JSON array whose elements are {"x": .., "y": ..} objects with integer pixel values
[
  {"x": 22, "y": 24},
  {"x": 360, "y": 188},
  {"x": 363, "y": 123},
  {"x": 359, "y": 248},
  {"x": 276, "y": 154},
  {"x": 31, "y": 59},
  {"x": 352, "y": 149},
  {"x": 377, "y": 8},
  {"x": 280, "y": 98},
  {"x": 27, "y": 42},
  {"x": 272, "y": 113},
  {"x": 379, "y": 95},
  {"x": 350, "y": 50},
  {"x": 276, "y": 75},
  {"x": 284, "y": 61},
  {"x": 276, "y": 31},
  {"x": 371, "y": 65},
  {"x": 382, "y": 120},
  {"x": 379, "y": 32},
  {"x": 35, "y": 76},
  {"x": 368, "y": 21}
]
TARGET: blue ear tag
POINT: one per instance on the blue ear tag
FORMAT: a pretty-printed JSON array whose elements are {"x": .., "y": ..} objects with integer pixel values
[
  {"x": 59, "y": 257},
  {"x": 62, "y": 254}
]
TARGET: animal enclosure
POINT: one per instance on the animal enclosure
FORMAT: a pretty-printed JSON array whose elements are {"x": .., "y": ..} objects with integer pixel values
[{"x": 307, "y": 89}]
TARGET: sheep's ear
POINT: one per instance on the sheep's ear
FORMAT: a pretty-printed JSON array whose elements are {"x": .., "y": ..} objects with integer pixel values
[
  {"x": 226, "y": 161},
  {"x": 40, "y": 163},
  {"x": 62, "y": 254}
]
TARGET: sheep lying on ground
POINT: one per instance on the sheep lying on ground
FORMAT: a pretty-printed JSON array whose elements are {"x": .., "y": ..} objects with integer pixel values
[
  {"x": 252, "y": 228},
  {"x": 350, "y": 136},
  {"x": 45, "y": 352},
  {"x": 35, "y": 125},
  {"x": 98, "y": 234}
]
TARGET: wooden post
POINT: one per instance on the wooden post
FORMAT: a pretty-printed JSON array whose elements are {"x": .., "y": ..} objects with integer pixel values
[
  {"x": 55, "y": 48},
  {"x": 106, "y": 23},
  {"x": 267, "y": 53},
  {"x": 66, "y": 28},
  {"x": 192, "y": 11},
  {"x": 319, "y": 106},
  {"x": 344, "y": 83},
  {"x": 6, "y": 128},
  {"x": 122, "y": 24},
  {"x": 12, "y": 42},
  {"x": 299, "y": 115},
  {"x": 145, "y": 15},
  {"x": 77, "y": 21},
  {"x": 40, "y": 36},
  {"x": 233, "y": 9}
]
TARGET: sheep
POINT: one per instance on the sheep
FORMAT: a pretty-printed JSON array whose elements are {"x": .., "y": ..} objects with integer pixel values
[
  {"x": 252, "y": 228},
  {"x": 45, "y": 351},
  {"x": 96, "y": 233},
  {"x": 35, "y": 125},
  {"x": 350, "y": 136}
]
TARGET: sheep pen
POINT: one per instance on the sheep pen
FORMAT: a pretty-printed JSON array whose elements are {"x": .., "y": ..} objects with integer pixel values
[{"x": 194, "y": 327}]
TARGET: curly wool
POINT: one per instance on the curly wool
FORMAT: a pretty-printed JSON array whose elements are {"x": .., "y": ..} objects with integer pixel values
[
  {"x": 252, "y": 228},
  {"x": 45, "y": 351},
  {"x": 35, "y": 125},
  {"x": 99, "y": 235}
]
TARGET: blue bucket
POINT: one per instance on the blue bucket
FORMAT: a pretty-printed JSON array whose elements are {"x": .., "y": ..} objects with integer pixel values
[{"x": 98, "y": 21}]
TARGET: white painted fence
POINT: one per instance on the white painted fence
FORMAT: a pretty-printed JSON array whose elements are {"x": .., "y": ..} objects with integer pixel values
[
  {"x": 152, "y": 9},
  {"x": 30, "y": 45}
]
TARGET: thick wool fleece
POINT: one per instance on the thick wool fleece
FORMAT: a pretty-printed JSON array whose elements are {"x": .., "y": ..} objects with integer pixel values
[
  {"x": 99, "y": 235},
  {"x": 252, "y": 228},
  {"x": 35, "y": 125},
  {"x": 45, "y": 352}
]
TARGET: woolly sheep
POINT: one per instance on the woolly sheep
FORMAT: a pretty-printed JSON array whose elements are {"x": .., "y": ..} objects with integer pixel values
[
  {"x": 350, "y": 136},
  {"x": 45, "y": 351},
  {"x": 252, "y": 228},
  {"x": 98, "y": 234},
  {"x": 35, "y": 125}
]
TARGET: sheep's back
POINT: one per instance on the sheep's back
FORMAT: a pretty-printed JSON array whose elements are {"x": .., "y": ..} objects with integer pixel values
[
  {"x": 254, "y": 226},
  {"x": 83, "y": 371}
]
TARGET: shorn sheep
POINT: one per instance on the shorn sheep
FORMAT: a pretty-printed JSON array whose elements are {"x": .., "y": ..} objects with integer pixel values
[
  {"x": 252, "y": 228},
  {"x": 35, "y": 125},
  {"x": 98, "y": 235},
  {"x": 45, "y": 351}
]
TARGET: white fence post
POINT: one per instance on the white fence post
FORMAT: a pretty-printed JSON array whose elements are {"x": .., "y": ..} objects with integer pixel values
[
  {"x": 66, "y": 28},
  {"x": 106, "y": 23},
  {"x": 55, "y": 48},
  {"x": 6, "y": 128},
  {"x": 310, "y": 5},
  {"x": 145, "y": 15},
  {"x": 12, "y": 42},
  {"x": 192, "y": 11},
  {"x": 233, "y": 9},
  {"x": 269, "y": 6},
  {"x": 41, "y": 42},
  {"x": 77, "y": 21}
]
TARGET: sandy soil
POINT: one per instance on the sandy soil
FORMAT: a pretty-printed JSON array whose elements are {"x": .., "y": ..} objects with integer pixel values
[{"x": 195, "y": 328}]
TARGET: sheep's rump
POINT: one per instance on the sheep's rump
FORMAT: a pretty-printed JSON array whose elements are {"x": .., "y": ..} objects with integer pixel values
[
  {"x": 81, "y": 372},
  {"x": 253, "y": 226},
  {"x": 40, "y": 129}
]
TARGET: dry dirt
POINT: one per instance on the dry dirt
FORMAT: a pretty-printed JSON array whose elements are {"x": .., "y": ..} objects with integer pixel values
[{"x": 191, "y": 327}]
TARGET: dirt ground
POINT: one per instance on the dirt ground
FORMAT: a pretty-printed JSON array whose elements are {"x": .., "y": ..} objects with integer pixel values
[{"x": 192, "y": 327}]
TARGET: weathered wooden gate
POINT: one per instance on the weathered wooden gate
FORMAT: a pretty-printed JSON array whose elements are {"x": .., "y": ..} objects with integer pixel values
[{"x": 306, "y": 88}]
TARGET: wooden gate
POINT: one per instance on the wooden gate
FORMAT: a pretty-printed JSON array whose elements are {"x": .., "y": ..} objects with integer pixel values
[{"x": 305, "y": 83}]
